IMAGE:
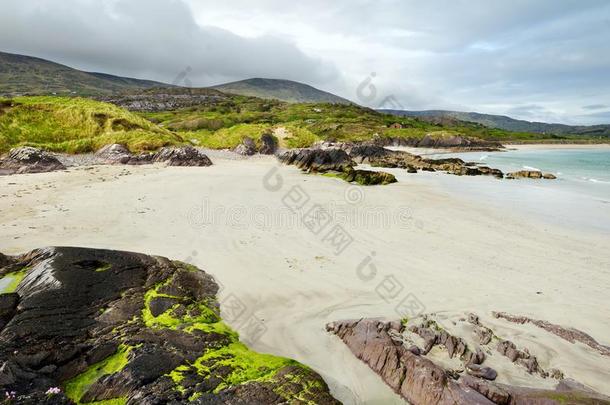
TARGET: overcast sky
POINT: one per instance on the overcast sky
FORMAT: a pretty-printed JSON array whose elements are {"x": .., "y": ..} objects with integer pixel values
[{"x": 545, "y": 60}]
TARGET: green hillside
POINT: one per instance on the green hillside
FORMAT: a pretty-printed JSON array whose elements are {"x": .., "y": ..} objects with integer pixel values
[
  {"x": 20, "y": 75},
  {"x": 283, "y": 90}
]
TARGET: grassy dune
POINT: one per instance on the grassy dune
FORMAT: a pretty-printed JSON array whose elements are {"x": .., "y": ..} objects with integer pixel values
[{"x": 76, "y": 125}]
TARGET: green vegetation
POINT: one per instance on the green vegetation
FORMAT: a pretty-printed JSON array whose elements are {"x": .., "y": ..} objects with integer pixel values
[
  {"x": 76, "y": 387},
  {"x": 197, "y": 315},
  {"x": 245, "y": 365},
  {"x": 11, "y": 281},
  {"x": 76, "y": 125}
]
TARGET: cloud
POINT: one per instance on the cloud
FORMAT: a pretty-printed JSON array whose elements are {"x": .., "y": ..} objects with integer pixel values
[
  {"x": 475, "y": 55},
  {"x": 594, "y": 107},
  {"x": 149, "y": 39}
]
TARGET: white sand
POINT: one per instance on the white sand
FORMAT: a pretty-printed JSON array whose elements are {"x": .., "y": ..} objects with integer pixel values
[{"x": 450, "y": 253}]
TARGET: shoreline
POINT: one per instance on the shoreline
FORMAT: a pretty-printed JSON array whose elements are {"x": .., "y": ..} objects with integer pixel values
[
  {"x": 528, "y": 146},
  {"x": 453, "y": 254}
]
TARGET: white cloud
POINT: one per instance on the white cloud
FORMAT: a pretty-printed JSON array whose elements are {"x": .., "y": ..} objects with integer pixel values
[{"x": 478, "y": 55}]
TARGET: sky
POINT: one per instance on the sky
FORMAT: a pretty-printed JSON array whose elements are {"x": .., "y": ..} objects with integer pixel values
[{"x": 543, "y": 60}]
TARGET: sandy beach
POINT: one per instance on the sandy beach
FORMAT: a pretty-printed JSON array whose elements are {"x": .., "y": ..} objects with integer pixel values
[{"x": 242, "y": 222}]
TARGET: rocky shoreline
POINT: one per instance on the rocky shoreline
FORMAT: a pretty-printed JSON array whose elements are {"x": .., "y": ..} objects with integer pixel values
[
  {"x": 86, "y": 325},
  {"x": 398, "y": 351}
]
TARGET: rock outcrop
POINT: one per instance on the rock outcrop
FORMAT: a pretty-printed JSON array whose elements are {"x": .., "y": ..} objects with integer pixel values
[
  {"x": 388, "y": 348},
  {"x": 530, "y": 174},
  {"x": 440, "y": 141},
  {"x": 313, "y": 160},
  {"x": 87, "y": 325},
  {"x": 171, "y": 156},
  {"x": 269, "y": 144},
  {"x": 29, "y": 160},
  {"x": 247, "y": 147},
  {"x": 114, "y": 154},
  {"x": 334, "y": 162},
  {"x": 182, "y": 156},
  {"x": 572, "y": 335},
  {"x": 378, "y": 156},
  {"x": 367, "y": 177}
]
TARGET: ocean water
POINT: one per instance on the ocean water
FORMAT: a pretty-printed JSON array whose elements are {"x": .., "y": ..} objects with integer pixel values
[{"x": 578, "y": 199}]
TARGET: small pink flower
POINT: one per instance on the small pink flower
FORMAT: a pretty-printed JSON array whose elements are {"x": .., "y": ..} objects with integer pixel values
[{"x": 53, "y": 391}]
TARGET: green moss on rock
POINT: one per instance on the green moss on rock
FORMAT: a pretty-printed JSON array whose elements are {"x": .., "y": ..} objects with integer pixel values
[
  {"x": 11, "y": 281},
  {"x": 76, "y": 387}
]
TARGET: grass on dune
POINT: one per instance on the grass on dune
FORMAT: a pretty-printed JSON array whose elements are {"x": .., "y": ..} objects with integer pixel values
[{"x": 76, "y": 125}]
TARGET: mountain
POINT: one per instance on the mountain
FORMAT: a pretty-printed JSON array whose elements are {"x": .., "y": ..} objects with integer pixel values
[
  {"x": 283, "y": 90},
  {"x": 505, "y": 123},
  {"x": 29, "y": 75}
]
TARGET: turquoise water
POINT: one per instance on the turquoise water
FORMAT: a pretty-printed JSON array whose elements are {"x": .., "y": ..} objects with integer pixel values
[
  {"x": 585, "y": 170},
  {"x": 578, "y": 199}
]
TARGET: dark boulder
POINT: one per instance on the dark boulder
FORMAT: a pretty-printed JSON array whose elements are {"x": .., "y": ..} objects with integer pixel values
[
  {"x": 269, "y": 144},
  {"x": 94, "y": 323},
  {"x": 182, "y": 156},
  {"x": 247, "y": 147},
  {"x": 114, "y": 154},
  {"x": 367, "y": 177},
  {"x": 318, "y": 160},
  {"x": 29, "y": 160},
  {"x": 530, "y": 174}
]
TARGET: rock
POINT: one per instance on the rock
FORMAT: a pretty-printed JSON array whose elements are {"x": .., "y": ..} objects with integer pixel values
[
  {"x": 247, "y": 147},
  {"x": 318, "y": 160},
  {"x": 269, "y": 144},
  {"x": 29, "y": 160},
  {"x": 420, "y": 381},
  {"x": 530, "y": 174},
  {"x": 182, "y": 156},
  {"x": 4, "y": 260},
  {"x": 363, "y": 153},
  {"x": 476, "y": 357},
  {"x": 415, "y": 378},
  {"x": 8, "y": 307},
  {"x": 493, "y": 392},
  {"x": 486, "y": 373},
  {"x": 572, "y": 335},
  {"x": 368, "y": 177},
  {"x": 82, "y": 309},
  {"x": 415, "y": 350},
  {"x": 483, "y": 334},
  {"x": 114, "y": 154}
]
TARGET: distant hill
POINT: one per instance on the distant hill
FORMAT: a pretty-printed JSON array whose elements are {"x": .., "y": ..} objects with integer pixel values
[
  {"x": 283, "y": 90},
  {"x": 505, "y": 123},
  {"x": 29, "y": 75}
]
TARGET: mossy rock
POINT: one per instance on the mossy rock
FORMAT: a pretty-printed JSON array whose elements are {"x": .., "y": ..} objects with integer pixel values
[{"x": 113, "y": 328}]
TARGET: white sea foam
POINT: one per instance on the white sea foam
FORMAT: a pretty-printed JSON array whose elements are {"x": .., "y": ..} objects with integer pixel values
[{"x": 535, "y": 169}]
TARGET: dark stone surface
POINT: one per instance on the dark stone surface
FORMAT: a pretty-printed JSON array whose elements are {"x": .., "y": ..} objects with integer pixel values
[
  {"x": 269, "y": 145},
  {"x": 182, "y": 156},
  {"x": 29, "y": 160},
  {"x": 318, "y": 160},
  {"x": 78, "y": 307}
]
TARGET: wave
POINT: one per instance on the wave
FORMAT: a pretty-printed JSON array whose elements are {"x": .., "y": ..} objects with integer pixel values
[
  {"x": 532, "y": 168},
  {"x": 484, "y": 157},
  {"x": 599, "y": 181}
]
